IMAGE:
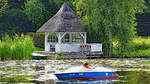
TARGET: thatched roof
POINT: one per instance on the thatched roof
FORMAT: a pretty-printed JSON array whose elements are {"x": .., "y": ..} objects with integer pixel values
[{"x": 64, "y": 21}]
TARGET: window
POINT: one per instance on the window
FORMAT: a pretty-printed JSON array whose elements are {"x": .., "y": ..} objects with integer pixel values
[{"x": 52, "y": 38}]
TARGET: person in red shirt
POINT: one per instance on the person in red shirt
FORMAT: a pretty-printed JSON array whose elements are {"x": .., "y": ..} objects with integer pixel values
[{"x": 85, "y": 65}]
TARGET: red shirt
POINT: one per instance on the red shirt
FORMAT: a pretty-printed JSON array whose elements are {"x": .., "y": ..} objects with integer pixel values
[{"x": 86, "y": 66}]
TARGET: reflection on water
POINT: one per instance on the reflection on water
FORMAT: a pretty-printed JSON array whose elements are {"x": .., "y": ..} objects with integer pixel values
[
  {"x": 41, "y": 71},
  {"x": 87, "y": 82},
  {"x": 134, "y": 77},
  {"x": 78, "y": 82}
]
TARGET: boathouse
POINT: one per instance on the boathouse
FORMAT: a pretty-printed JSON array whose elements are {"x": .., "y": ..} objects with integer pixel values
[{"x": 64, "y": 33}]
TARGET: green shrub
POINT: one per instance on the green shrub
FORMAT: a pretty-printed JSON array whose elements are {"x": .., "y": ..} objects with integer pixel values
[
  {"x": 139, "y": 46},
  {"x": 141, "y": 43},
  {"x": 38, "y": 39},
  {"x": 5, "y": 47},
  {"x": 17, "y": 47}
]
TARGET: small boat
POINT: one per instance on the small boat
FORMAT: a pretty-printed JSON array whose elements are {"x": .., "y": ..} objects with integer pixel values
[
  {"x": 81, "y": 73},
  {"x": 87, "y": 76}
]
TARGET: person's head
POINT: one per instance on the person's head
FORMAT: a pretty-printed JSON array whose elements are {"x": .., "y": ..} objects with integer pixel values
[{"x": 85, "y": 64}]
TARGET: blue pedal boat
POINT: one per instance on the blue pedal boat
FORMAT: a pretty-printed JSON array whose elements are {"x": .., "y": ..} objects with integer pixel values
[{"x": 87, "y": 74}]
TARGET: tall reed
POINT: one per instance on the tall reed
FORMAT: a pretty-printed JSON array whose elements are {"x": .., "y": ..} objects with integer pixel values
[
  {"x": 17, "y": 47},
  {"x": 5, "y": 47}
]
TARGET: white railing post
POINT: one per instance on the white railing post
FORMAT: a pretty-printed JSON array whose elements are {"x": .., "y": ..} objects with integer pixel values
[
  {"x": 85, "y": 40},
  {"x": 59, "y": 38},
  {"x": 46, "y": 42},
  {"x": 70, "y": 37}
]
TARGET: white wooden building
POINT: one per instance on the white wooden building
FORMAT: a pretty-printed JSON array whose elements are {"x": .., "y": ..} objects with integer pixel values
[{"x": 64, "y": 33}]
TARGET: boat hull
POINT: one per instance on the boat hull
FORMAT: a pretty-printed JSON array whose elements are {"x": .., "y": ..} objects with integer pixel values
[{"x": 87, "y": 76}]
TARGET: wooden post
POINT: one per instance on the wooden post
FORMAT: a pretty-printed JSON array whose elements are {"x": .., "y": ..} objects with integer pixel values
[{"x": 70, "y": 37}]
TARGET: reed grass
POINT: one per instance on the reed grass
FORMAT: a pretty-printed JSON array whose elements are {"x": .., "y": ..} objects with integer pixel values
[
  {"x": 56, "y": 56},
  {"x": 63, "y": 55},
  {"x": 139, "y": 46},
  {"x": 141, "y": 43},
  {"x": 16, "y": 48},
  {"x": 69, "y": 56}
]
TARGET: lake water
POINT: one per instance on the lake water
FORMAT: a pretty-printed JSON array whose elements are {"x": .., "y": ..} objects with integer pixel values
[{"x": 131, "y": 71}]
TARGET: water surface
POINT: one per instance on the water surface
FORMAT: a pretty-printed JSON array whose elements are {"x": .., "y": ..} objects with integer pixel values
[{"x": 131, "y": 71}]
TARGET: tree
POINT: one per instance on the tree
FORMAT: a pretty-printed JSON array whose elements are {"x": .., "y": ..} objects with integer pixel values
[
  {"x": 15, "y": 21},
  {"x": 147, "y": 10},
  {"x": 3, "y": 6},
  {"x": 39, "y": 11},
  {"x": 16, "y": 4},
  {"x": 143, "y": 21},
  {"x": 52, "y": 7},
  {"x": 106, "y": 20},
  {"x": 35, "y": 10}
]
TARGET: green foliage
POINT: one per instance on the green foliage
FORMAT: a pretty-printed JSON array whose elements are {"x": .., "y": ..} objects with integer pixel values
[
  {"x": 35, "y": 10},
  {"x": 58, "y": 3},
  {"x": 144, "y": 62},
  {"x": 140, "y": 43},
  {"x": 14, "y": 21},
  {"x": 139, "y": 46},
  {"x": 137, "y": 53},
  {"x": 63, "y": 55},
  {"x": 5, "y": 47},
  {"x": 101, "y": 17},
  {"x": 26, "y": 15},
  {"x": 39, "y": 11},
  {"x": 38, "y": 39},
  {"x": 17, "y": 48},
  {"x": 3, "y": 6},
  {"x": 16, "y": 4},
  {"x": 56, "y": 56},
  {"x": 17, "y": 79},
  {"x": 147, "y": 10},
  {"x": 134, "y": 77},
  {"x": 69, "y": 56}
]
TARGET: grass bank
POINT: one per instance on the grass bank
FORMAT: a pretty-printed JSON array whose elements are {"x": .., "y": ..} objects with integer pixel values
[
  {"x": 139, "y": 46},
  {"x": 16, "y": 47}
]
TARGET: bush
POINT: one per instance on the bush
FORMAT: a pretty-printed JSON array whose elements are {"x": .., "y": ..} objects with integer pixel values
[
  {"x": 141, "y": 43},
  {"x": 139, "y": 46},
  {"x": 38, "y": 39},
  {"x": 17, "y": 47}
]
